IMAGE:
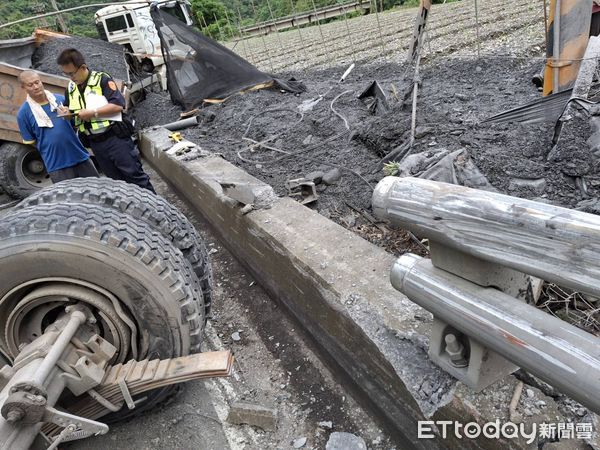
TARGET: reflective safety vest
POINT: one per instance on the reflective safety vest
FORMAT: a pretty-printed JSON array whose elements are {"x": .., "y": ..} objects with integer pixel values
[{"x": 78, "y": 102}]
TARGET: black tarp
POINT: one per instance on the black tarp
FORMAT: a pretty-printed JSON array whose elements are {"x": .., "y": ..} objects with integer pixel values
[{"x": 201, "y": 69}]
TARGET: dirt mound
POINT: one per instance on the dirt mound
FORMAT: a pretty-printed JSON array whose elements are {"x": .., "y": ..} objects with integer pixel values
[{"x": 99, "y": 55}]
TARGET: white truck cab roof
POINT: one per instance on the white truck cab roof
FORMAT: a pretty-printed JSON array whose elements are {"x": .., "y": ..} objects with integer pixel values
[{"x": 130, "y": 24}]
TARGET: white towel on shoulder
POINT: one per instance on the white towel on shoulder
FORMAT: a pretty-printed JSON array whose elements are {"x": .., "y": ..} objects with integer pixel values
[{"x": 41, "y": 118}]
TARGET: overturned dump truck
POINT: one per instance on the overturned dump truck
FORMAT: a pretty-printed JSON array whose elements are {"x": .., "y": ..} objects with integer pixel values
[{"x": 104, "y": 293}]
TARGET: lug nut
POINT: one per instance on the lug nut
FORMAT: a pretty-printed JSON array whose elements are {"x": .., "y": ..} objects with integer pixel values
[
  {"x": 15, "y": 415},
  {"x": 456, "y": 351}
]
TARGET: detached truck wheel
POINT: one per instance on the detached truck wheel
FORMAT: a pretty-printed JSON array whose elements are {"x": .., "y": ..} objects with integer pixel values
[
  {"x": 144, "y": 293},
  {"x": 141, "y": 204},
  {"x": 22, "y": 170}
]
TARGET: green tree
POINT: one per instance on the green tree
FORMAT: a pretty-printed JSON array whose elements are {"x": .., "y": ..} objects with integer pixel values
[
  {"x": 80, "y": 22},
  {"x": 212, "y": 17}
]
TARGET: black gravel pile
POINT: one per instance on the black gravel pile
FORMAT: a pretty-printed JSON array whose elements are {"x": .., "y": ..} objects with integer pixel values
[
  {"x": 455, "y": 96},
  {"x": 156, "y": 109},
  {"x": 99, "y": 55}
]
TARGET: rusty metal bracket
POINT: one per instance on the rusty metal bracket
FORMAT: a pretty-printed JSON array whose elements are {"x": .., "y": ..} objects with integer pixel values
[
  {"x": 64, "y": 419},
  {"x": 124, "y": 381},
  {"x": 302, "y": 188}
]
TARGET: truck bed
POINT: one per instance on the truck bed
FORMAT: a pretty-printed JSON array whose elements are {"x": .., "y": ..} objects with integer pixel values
[
  {"x": 12, "y": 97},
  {"x": 18, "y": 51}
]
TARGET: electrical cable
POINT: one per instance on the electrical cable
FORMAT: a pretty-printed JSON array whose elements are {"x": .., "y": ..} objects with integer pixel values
[
  {"x": 275, "y": 136},
  {"x": 295, "y": 153},
  {"x": 275, "y": 149},
  {"x": 287, "y": 154},
  {"x": 337, "y": 113}
]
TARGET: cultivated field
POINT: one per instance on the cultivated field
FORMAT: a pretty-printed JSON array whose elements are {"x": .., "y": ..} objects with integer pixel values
[{"x": 506, "y": 28}]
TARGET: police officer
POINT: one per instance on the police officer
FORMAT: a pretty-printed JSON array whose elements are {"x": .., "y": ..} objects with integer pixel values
[{"x": 98, "y": 105}]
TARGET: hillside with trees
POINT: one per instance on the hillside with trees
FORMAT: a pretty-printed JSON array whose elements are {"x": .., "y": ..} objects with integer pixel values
[{"x": 78, "y": 22}]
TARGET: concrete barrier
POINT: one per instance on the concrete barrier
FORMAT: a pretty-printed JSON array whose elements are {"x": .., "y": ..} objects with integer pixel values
[{"x": 337, "y": 285}]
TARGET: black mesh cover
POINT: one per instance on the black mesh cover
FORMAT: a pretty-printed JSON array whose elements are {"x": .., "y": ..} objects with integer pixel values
[{"x": 199, "y": 68}]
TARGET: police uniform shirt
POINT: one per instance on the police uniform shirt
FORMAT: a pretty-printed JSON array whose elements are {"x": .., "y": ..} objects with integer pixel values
[{"x": 109, "y": 90}]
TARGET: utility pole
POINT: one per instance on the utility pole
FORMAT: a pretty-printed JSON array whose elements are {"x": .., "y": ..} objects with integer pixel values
[
  {"x": 38, "y": 8},
  {"x": 420, "y": 24},
  {"x": 62, "y": 25}
]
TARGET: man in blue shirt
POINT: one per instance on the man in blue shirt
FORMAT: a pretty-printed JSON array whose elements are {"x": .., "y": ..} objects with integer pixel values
[{"x": 53, "y": 136}]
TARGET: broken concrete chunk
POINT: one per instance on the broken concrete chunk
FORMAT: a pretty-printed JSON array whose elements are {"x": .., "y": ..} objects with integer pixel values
[
  {"x": 345, "y": 441},
  {"x": 328, "y": 425},
  {"x": 530, "y": 393},
  {"x": 349, "y": 220},
  {"x": 251, "y": 414},
  {"x": 299, "y": 443},
  {"x": 422, "y": 131},
  {"x": 332, "y": 176},
  {"x": 260, "y": 196},
  {"x": 308, "y": 139},
  {"x": 236, "y": 336}
]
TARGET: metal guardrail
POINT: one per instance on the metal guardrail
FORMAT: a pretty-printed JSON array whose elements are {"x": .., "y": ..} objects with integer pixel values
[
  {"x": 326, "y": 12},
  {"x": 482, "y": 245}
]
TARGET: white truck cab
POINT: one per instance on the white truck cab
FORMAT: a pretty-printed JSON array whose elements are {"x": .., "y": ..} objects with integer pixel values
[{"x": 131, "y": 25}]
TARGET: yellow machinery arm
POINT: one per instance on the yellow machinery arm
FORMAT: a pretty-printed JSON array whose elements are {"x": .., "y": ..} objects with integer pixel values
[{"x": 567, "y": 38}]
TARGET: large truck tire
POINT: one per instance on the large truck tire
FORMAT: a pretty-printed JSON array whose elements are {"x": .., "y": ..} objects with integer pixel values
[
  {"x": 22, "y": 170},
  {"x": 143, "y": 205},
  {"x": 131, "y": 272}
]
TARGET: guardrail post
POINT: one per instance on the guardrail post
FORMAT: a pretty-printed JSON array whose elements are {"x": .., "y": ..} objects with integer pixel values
[
  {"x": 482, "y": 246},
  {"x": 479, "y": 366}
]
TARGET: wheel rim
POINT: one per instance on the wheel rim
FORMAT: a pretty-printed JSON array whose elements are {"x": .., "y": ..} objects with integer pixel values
[
  {"x": 32, "y": 170},
  {"x": 30, "y": 307}
]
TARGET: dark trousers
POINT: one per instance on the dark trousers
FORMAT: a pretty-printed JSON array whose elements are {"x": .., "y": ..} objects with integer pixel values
[
  {"x": 595, "y": 25},
  {"x": 119, "y": 159},
  {"x": 81, "y": 170}
]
